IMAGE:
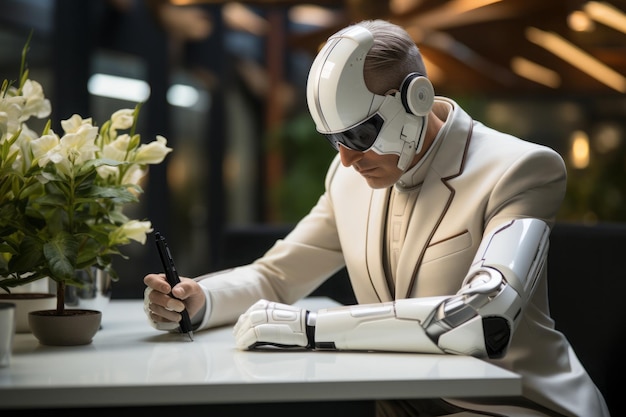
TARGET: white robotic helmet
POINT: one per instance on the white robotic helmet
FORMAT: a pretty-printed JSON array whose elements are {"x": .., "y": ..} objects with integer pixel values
[{"x": 347, "y": 113}]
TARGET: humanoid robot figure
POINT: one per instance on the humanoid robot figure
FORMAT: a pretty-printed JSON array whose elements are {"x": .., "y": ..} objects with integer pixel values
[{"x": 479, "y": 320}]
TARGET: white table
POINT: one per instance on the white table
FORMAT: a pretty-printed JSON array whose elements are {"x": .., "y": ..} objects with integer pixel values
[{"x": 131, "y": 364}]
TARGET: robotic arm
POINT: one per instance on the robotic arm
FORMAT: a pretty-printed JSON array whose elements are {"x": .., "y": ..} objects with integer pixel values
[{"x": 478, "y": 320}]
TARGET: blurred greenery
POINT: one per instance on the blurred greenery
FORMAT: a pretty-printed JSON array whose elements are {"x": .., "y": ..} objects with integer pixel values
[
  {"x": 597, "y": 193},
  {"x": 306, "y": 156}
]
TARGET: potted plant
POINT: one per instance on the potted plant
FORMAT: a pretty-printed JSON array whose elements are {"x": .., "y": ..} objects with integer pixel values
[{"x": 62, "y": 196}]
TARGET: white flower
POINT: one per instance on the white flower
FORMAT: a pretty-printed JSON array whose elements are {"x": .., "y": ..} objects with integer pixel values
[
  {"x": 27, "y": 134},
  {"x": 122, "y": 119},
  {"x": 108, "y": 172},
  {"x": 73, "y": 149},
  {"x": 23, "y": 145},
  {"x": 153, "y": 152},
  {"x": 11, "y": 109},
  {"x": 35, "y": 103},
  {"x": 80, "y": 146},
  {"x": 74, "y": 123},
  {"x": 117, "y": 149},
  {"x": 4, "y": 125},
  {"x": 132, "y": 230},
  {"x": 133, "y": 175},
  {"x": 19, "y": 165},
  {"x": 44, "y": 147}
]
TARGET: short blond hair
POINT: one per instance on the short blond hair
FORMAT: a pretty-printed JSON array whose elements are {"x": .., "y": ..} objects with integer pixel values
[{"x": 393, "y": 56}]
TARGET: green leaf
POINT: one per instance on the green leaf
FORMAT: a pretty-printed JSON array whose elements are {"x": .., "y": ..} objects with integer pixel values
[
  {"x": 88, "y": 252},
  {"x": 61, "y": 253},
  {"x": 46, "y": 128},
  {"x": 135, "y": 141},
  {"x": 34, "y": 188},
  {"x": 6, "y": 148},
  {"x": 29, "y": 256},
  {"x": 119, "y": 194},
  {"x": 23, "y": 70},
  {"x": 6, "y": 248},
  {"x": 133, "y": 128}
]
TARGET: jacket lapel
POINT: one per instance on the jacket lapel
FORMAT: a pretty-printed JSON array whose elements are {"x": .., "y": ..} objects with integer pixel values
[
  {"x": 374, "y": 243},
  {"x": 434, "y": 200}
]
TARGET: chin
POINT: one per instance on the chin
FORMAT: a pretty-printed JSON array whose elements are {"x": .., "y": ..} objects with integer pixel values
[{"x": 378, "y": 183}]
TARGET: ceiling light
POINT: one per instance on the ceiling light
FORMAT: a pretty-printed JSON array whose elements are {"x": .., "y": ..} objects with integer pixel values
[
  {"x": 535, "y": 72},
  {"x": 464, "y": 6},
  {"x": 241, "y": 17},
  {"x": 182, "y": 95},
  {"x": 577, "y": 57},
  {"x": 606, "y": 14},
  {"x": 120, "y": 88},
  {"x": 579, "y": 21},
  {"x": 311, "y": 15},
  {"x": 403, "y": 6},
  {"x": 579, "y": 151}
]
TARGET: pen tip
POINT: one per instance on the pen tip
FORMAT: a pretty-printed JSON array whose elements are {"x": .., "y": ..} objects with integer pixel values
[{"x": 190, "y": 334}]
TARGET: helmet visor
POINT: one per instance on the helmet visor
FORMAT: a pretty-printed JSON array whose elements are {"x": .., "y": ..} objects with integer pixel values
[{"x": 360, "y": 137}]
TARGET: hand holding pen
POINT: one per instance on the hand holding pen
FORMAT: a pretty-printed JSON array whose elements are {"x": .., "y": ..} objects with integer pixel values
[{"x": 172, "y": 277}]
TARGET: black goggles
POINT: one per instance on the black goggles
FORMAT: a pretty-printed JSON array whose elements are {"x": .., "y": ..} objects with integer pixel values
[{"x": 360, "y": 137}]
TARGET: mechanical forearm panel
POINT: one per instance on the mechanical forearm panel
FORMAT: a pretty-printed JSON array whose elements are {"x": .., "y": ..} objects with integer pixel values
[{"x": 479, "y": 320}]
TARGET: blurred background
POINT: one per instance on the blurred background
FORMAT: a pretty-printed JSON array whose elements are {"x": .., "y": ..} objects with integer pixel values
[{"x": 224, "y": 82}]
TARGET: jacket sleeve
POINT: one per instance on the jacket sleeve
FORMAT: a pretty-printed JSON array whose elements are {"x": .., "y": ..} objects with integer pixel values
[{"x": 291, "y": 269}]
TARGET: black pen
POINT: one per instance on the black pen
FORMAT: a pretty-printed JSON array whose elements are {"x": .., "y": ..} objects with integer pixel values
[{"x": 172, "y": 278}]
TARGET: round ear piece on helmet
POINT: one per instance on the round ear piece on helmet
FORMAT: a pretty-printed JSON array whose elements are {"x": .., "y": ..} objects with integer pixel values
[{"x": 417, "y": 94}]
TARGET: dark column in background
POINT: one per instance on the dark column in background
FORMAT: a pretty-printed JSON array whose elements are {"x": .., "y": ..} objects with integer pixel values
[
  {"x": 72, "y": 44},
  {"x": 210, "y": 56},
  {"x": 275, "y": 62}
]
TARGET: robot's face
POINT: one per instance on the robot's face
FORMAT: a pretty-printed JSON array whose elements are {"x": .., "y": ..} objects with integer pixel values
[
  {"x": 343, "y": 108},
  {"x": 376, "y": 132},
  {"x": 360, "y": 137}
]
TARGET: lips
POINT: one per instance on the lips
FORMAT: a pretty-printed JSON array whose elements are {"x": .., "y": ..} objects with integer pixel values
[{"x": 365, "y": 171}]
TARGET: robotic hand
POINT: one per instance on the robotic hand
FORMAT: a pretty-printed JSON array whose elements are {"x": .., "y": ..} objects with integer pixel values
[
  {"x": 479, "y": 320},
  {"x": 268, "y": 323}
]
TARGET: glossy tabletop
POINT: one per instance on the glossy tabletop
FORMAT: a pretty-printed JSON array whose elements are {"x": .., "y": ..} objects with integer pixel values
[{"x": 130, "y": 363}]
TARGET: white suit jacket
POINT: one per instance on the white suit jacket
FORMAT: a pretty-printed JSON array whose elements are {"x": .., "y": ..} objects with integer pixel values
[{"x": 479, "y": 179}]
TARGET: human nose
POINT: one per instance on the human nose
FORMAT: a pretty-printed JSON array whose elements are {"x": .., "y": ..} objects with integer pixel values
[{"x": 349, "y": 156}]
